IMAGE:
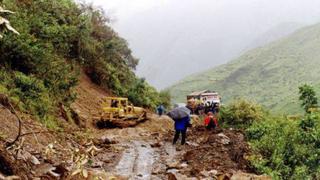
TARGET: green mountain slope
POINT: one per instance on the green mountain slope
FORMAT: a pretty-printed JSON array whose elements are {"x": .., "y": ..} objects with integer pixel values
[{"x": 270, "y": 75}]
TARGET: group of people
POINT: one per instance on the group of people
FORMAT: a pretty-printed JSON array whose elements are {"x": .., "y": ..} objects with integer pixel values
[
  {"x": 181, "y": 124},
  {"x": 211, "y": 107},
  {"x": 203, "y": 108}
]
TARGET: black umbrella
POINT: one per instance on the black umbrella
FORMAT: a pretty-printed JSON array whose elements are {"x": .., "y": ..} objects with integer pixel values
[{"x": 179, "y": 113}]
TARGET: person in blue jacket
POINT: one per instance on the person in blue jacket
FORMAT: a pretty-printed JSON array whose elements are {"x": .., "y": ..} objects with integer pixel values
[
  {"x": 160, "y": 110},
  {"x": 181, "y": 126}
]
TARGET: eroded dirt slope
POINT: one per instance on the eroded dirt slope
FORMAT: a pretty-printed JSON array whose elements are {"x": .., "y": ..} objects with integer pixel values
[{"x": 88, "y": 103}]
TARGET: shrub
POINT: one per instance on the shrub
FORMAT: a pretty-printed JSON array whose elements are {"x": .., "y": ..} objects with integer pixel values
[
  {"x": 241, "y": 113},
  {"x": 286, "y": 149},
  {"x": 28, "y": 94},
  {"x": 33, "y": 94}
]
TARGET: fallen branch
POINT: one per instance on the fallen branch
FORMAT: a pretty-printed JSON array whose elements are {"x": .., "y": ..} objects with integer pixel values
[{"x": 4, "y": 100}]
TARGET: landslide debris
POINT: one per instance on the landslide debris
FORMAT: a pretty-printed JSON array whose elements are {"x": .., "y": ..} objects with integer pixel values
[
  {"x": 46, "y": 154},
  {"x": 221, "y": 150},
  {"x": 215, "y": 154},
  {"x": 87, "y": 106}
]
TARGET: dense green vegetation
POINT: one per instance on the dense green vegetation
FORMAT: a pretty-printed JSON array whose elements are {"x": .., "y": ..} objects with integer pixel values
[
  {"x": 283, "y": 147},
  {"x": 269, "y": 75},
  {"x": 5, "y": 23},
  {"x": 59, "y": 39},
  {"x": 241, "y": 113},
  {"x": 286, "y": 148}
]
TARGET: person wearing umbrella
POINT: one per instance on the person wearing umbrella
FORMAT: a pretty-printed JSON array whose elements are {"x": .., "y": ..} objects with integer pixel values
[{"x": 181, "y": 117}]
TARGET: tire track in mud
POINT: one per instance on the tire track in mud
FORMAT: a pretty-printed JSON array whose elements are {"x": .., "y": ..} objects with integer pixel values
[
  {"x": 137, "y": 161},
  {"x": 140, "y": 149}
]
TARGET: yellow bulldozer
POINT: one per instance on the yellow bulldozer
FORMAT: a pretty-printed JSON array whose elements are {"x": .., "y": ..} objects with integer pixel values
[{"x": 118, "y": 113}]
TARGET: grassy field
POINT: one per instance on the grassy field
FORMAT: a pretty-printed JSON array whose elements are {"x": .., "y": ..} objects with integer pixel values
[{"x": 269, "y": 75}]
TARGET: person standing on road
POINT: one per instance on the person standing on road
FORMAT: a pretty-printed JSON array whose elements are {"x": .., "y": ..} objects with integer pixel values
[
  {"x": 181, "y": 126},
  {"x": 160, "y": 110},
  {"x": 181, "y": 117}
]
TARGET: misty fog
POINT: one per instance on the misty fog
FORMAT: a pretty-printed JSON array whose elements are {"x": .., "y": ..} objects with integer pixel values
[{"x": 176, "y": 38}]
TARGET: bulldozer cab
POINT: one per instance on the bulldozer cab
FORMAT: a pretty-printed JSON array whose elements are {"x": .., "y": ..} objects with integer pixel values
[{"x": 115, "y": 105}]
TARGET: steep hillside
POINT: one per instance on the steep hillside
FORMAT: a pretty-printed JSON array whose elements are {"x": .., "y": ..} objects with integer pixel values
[
  {"x": 60, "y": 42},
  {"x": 53, "y": 74},
  {"x": 270, "y": 75}
]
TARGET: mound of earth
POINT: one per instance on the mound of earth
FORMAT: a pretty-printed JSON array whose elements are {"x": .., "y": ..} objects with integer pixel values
[
  {"x": 220, "y": 150},
  {"x": 218, "y": 154}
]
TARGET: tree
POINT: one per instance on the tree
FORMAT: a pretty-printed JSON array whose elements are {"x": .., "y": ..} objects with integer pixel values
[{"x": 308, "y": 97}]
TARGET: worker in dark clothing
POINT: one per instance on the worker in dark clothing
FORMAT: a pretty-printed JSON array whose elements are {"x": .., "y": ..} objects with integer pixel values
[
  {"x": 209, "y": 107},
  {"x": 216, "y": 108},
  {"x": 160, "y": 110},
  {"x": 181, "y": 126}
]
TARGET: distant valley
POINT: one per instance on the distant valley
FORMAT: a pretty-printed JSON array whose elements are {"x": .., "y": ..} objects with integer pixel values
[{"x": 270, "y": 74}]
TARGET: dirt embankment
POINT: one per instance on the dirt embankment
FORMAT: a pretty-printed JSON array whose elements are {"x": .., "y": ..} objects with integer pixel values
[{"x": 88, "y": 103}]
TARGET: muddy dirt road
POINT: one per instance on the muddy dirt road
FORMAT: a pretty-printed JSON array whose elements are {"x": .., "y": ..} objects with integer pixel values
[
  {"x": 146, "y": 152},
  {"x": 137, "y": 160},
  {"x": 139, "y": 153},
  {"x": 139, "y": 147}
]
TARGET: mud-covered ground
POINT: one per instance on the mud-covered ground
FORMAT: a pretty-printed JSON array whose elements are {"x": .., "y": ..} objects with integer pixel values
[
  {"x": 208, "y": 154},
  {"x": 213, "y": 153},
  {"x": 141, "y": 152},
  {"x": 148, "y": 153},
  {"x": 222, "y": 150}
]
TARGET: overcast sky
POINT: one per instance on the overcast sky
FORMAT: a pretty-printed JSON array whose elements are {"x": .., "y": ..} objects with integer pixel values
[
  {"x": 122, "y": 9},
  {"x": 175, "y": 38}
]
